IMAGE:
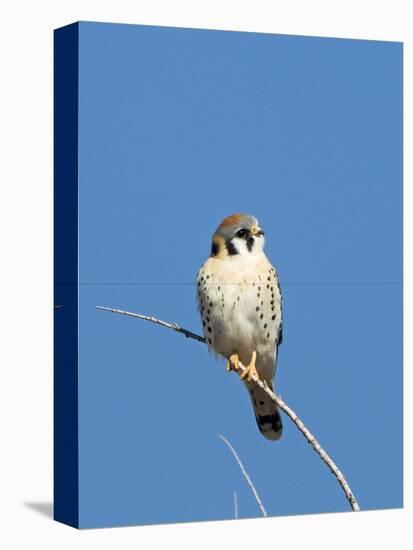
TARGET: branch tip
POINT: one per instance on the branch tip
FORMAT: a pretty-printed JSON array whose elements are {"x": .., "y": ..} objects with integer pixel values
[{"x": 277, "y": 400}]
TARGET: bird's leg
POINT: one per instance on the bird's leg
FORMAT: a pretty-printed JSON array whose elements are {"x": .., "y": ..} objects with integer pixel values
[
  {"x": 250, "y": 370},
  {"x": 233, "y": 362}
]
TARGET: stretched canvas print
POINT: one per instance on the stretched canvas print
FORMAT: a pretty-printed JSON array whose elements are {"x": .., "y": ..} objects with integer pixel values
[{"x": 228, "y": 275}]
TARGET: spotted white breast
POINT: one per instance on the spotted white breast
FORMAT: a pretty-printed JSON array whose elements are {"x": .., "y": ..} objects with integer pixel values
[
  {"x": 239, "y": 301},
  {"x": 240, "y": 304}
]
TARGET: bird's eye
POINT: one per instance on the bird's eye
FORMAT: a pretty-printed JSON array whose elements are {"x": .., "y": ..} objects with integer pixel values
[{"x": 242, "y": 233}]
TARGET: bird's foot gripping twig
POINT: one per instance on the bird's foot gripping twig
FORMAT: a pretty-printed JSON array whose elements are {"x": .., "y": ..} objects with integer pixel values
[
  {"x": 250, "y": 370},
  {"x": 233, "y": 363}
]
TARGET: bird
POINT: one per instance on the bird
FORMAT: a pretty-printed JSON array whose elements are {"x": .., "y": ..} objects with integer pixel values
[{"x": 240, "y": 304}]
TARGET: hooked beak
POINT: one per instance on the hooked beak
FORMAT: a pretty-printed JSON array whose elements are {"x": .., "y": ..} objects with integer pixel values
[{"x": 257, "y": 231}]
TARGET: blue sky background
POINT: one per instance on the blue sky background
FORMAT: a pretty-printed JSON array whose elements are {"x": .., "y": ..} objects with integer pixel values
[{"x": 177, "y": 129}]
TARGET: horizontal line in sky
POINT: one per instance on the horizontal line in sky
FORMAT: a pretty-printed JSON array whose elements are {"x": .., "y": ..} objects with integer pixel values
[{"x": 282, "y": 283}]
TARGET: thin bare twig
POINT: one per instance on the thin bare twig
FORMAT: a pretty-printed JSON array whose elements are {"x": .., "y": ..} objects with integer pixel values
[
  {"x": 279, "y": 402},
  {"x": 235, "y": 505},
  {"x": 173, "y": 326},
  {"x": 245, "y": 474}
]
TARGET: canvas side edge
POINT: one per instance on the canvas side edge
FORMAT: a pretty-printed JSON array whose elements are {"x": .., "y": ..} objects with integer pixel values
[{"x": 65, "y": 430}]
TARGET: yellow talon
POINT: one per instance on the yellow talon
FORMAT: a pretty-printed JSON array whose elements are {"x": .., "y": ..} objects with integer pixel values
[
  {"x": 233, "y": 362},
  {"x": 250, "y": 370}
]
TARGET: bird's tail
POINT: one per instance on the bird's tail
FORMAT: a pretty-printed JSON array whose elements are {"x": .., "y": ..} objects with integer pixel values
[{"x": 266, "y": 411}]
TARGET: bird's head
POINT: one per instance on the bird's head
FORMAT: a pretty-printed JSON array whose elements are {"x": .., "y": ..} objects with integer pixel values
[{"x": 238, "y": 234}]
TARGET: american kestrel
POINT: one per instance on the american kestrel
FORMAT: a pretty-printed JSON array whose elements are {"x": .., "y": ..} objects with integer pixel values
[{"x": 239, "y": 300}]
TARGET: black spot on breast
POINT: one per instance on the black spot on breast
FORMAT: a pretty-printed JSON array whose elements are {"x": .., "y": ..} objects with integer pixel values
[
  {"x": 265, "y": 326},
  {"x": 268, "y": 334},
  {"x": 207, "y": 276},
  {"x": 261, "y": 316},
  {"x": 257, "y": 308},
  {"x": 259, "y": 288},
  {"x": 207, "y": 319},
  {"x": 273, "y": 317},
  {"x": 219, "y": 288},
  {"x": 209, "y": 329},
  {"x": 268, "y": 278}
]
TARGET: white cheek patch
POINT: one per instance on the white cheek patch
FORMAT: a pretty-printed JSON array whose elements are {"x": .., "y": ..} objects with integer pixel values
[
  {"x": 233, "y": 247},
  {"x": 242, "y": 248},
  {"x": 259, "y": 244},
  {"x": 240, "y": 245}
]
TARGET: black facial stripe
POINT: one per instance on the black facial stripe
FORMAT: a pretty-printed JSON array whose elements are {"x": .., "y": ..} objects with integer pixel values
[
  {"x": 214, "y": 249},
  {"x": 250, "y": 243},
  {"x": 232, "y": 251}
]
